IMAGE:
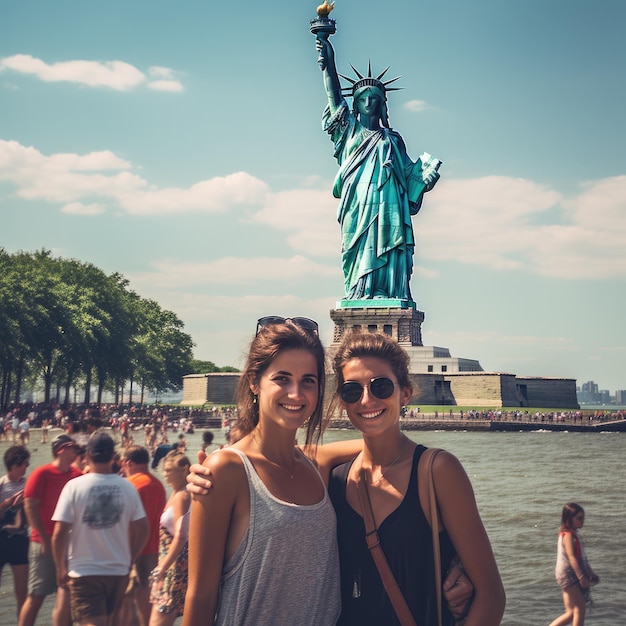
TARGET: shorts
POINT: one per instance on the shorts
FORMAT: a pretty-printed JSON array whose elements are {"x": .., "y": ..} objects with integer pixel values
[
  {"x": 95, "y": 596},
  {"x": 42, "y": 574},
  {"x": 144, "y": 564},
  {"x": 13, "y": 549}
]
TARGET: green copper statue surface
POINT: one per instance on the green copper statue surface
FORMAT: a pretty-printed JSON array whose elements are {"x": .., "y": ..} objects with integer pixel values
[{"x": 378, "y": 185}]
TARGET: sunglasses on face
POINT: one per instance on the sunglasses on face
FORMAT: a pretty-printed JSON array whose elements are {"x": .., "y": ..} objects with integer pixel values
[
  {"x": 381, "y": 388},
  {"x": 303, "y": 322}
]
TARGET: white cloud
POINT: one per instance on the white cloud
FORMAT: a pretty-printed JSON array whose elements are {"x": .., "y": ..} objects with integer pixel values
[
  {"x": 78, "y": 208},
  {"x": 308, "y": 216},
  {"x": 80, "y": 178},
  {"x": 494, "y": 221},
  {"x": 116, "y": 75},
  {"x": 166, "y": 85},
  {"x": 507, "y": 223},
  {"x": 165, "y": 79},
  {"x": 158, "y": 71},
  {"x": 173, "y": 274},
  {"x": 415, "y": 106}
]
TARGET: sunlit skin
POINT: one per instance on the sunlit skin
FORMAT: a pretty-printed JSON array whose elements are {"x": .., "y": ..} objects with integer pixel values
[
  {"x": 370, "y": 414},
  {"x": 288, "y": 390}
]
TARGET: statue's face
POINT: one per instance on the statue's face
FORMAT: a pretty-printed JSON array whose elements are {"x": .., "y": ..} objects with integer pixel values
[{"x": 369, "y": 103}]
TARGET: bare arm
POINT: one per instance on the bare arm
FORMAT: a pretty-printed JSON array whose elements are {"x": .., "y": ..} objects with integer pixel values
[
  {"x": 213, "y": 517},
  {"x": 330, "y": 455},
  {"x": 31, "y": 508},
  {"x": 60, "y": 540},
  {"x": 327, "y": 456},
  {"x": 138, "y": 532},
  {"x": 460, "y": 517}
]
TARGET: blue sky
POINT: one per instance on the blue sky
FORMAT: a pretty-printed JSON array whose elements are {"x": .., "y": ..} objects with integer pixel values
[{"x": 181, "y": 145}]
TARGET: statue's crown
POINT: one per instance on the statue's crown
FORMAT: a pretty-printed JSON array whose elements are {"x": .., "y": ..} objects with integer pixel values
[{"x": 368, "y": 81}]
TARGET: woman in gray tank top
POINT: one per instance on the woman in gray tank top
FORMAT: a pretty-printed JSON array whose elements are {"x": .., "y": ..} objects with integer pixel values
[{"x": 262, "y": 544}]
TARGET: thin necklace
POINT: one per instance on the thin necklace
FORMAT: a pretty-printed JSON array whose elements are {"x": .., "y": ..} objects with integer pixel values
[
  {"x": 384, "y": 470},
  {"x": 279, "y": 466}
]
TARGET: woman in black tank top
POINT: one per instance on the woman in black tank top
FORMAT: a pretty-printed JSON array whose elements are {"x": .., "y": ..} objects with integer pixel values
[{"x": 372, "y": 386}]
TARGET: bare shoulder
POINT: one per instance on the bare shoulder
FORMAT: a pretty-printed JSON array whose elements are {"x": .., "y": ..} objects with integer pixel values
[
  {"x": 223, "y": 460},
  {"x": 451, "y": 482}
]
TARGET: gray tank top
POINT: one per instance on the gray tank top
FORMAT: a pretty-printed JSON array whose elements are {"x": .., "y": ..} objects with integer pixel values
[{"x": 286, "y": 569}]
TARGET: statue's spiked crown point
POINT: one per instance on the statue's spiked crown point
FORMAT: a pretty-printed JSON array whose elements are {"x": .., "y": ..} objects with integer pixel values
[{"x": 368, "y": 81}]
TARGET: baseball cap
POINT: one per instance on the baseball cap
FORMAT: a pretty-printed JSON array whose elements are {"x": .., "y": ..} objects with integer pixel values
[
  {"x": 61, "y": 441},
  {"x": 100, "y": 446}
]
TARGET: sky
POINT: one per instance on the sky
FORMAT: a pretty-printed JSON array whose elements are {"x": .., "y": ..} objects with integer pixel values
[{"x": 180, "y": 144}]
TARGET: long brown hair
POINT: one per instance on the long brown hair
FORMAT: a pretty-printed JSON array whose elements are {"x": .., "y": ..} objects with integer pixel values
[{"x": 270, "y": 341}]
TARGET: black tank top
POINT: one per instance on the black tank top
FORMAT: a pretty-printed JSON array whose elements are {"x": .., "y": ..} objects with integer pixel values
[{"x": 406, "y": 539}]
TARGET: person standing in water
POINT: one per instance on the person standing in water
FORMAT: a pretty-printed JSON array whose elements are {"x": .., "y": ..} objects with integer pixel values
[{"x": 573, "y": 572}]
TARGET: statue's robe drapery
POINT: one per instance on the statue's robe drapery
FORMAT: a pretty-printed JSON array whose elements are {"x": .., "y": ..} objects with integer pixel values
[{"x": 377, "y": 199}]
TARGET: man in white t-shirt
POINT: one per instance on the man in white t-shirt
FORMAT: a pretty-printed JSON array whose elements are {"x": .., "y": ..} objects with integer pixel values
[{"x": 108, "y": 528}]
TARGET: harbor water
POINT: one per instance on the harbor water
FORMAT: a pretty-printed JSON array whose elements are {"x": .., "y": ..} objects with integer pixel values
[{"x": 521, "y": 481}]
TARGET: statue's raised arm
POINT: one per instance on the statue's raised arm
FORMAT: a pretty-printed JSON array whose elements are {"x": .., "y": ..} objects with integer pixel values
[
  {"x": 378, "y": 185},
  {"x": 326, "y": 62}
]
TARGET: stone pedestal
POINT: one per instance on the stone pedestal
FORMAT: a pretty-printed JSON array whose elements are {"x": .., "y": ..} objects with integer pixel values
[{"x": 403, "y": 324}]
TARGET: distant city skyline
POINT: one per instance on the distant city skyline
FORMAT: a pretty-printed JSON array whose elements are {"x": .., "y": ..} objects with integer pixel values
[{"x": 181, "y": 146}]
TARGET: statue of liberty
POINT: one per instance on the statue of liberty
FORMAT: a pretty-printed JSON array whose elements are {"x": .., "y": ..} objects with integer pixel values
[{"x": 378, "y": 185}]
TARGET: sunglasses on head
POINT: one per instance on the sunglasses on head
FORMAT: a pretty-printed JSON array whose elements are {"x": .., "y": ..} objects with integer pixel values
[
  {"x": 303, "y": 322},
  {"x": 382, "y": 388}
]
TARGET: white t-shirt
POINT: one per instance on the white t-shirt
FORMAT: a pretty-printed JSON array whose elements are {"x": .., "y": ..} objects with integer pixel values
[{"x": 100, "y": 508}]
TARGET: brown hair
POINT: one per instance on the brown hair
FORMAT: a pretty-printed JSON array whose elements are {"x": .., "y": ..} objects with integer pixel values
[
  {"x": 270, "y": 341},
  {"x": 358, "y": 344},
  {"x": 570, "y": 511}
]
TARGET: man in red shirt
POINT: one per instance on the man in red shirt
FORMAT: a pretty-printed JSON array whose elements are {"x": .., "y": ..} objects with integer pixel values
[
  {"x": 41, "y": 493},
  {"x": 152, "y": 494}
]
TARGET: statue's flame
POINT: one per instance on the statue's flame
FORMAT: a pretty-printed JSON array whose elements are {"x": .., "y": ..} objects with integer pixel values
[{"x": 324, "y": 9}]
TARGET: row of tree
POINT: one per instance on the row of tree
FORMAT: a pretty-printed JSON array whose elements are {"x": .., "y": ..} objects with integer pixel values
[{"x": 68, "y": 324}]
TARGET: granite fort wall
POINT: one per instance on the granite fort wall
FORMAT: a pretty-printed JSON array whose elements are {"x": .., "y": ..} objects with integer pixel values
[{"x": 462, "y": 389}]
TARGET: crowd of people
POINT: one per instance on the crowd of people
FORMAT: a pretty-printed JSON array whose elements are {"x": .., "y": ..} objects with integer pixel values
[{"x": 96, "y": 528}]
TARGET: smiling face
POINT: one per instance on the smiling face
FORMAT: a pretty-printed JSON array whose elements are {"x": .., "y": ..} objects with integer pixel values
[
  {"x": 372, "y": 415},
  {"x": 288, "y": 389}
]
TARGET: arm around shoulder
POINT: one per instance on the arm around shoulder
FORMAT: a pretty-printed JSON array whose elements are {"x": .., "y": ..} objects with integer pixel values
[{"x": 330, "y": 455}]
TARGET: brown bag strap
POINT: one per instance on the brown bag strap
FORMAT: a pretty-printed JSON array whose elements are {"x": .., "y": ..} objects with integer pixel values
[
  {"x": 373, "y": 543},
  {"x": 429, "y": 457}
]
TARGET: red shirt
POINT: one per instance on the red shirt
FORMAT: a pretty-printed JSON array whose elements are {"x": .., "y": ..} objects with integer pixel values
[
  {"x": 152, "y": 494},
  {"x": 45, "y": 484}
]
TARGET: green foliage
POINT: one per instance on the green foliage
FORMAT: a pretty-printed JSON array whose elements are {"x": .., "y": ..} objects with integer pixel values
[
  {"x": 62, "y": 320},
  {"x": 208, "y": 367}
]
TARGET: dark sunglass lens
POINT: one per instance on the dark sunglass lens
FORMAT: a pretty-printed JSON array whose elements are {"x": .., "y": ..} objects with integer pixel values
[
  {"x": 270, "y": 319},
  {"x": 351, "y": 392},
  {"x": 382, "y": 388},
  {"x": 306, "y": 323}
]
